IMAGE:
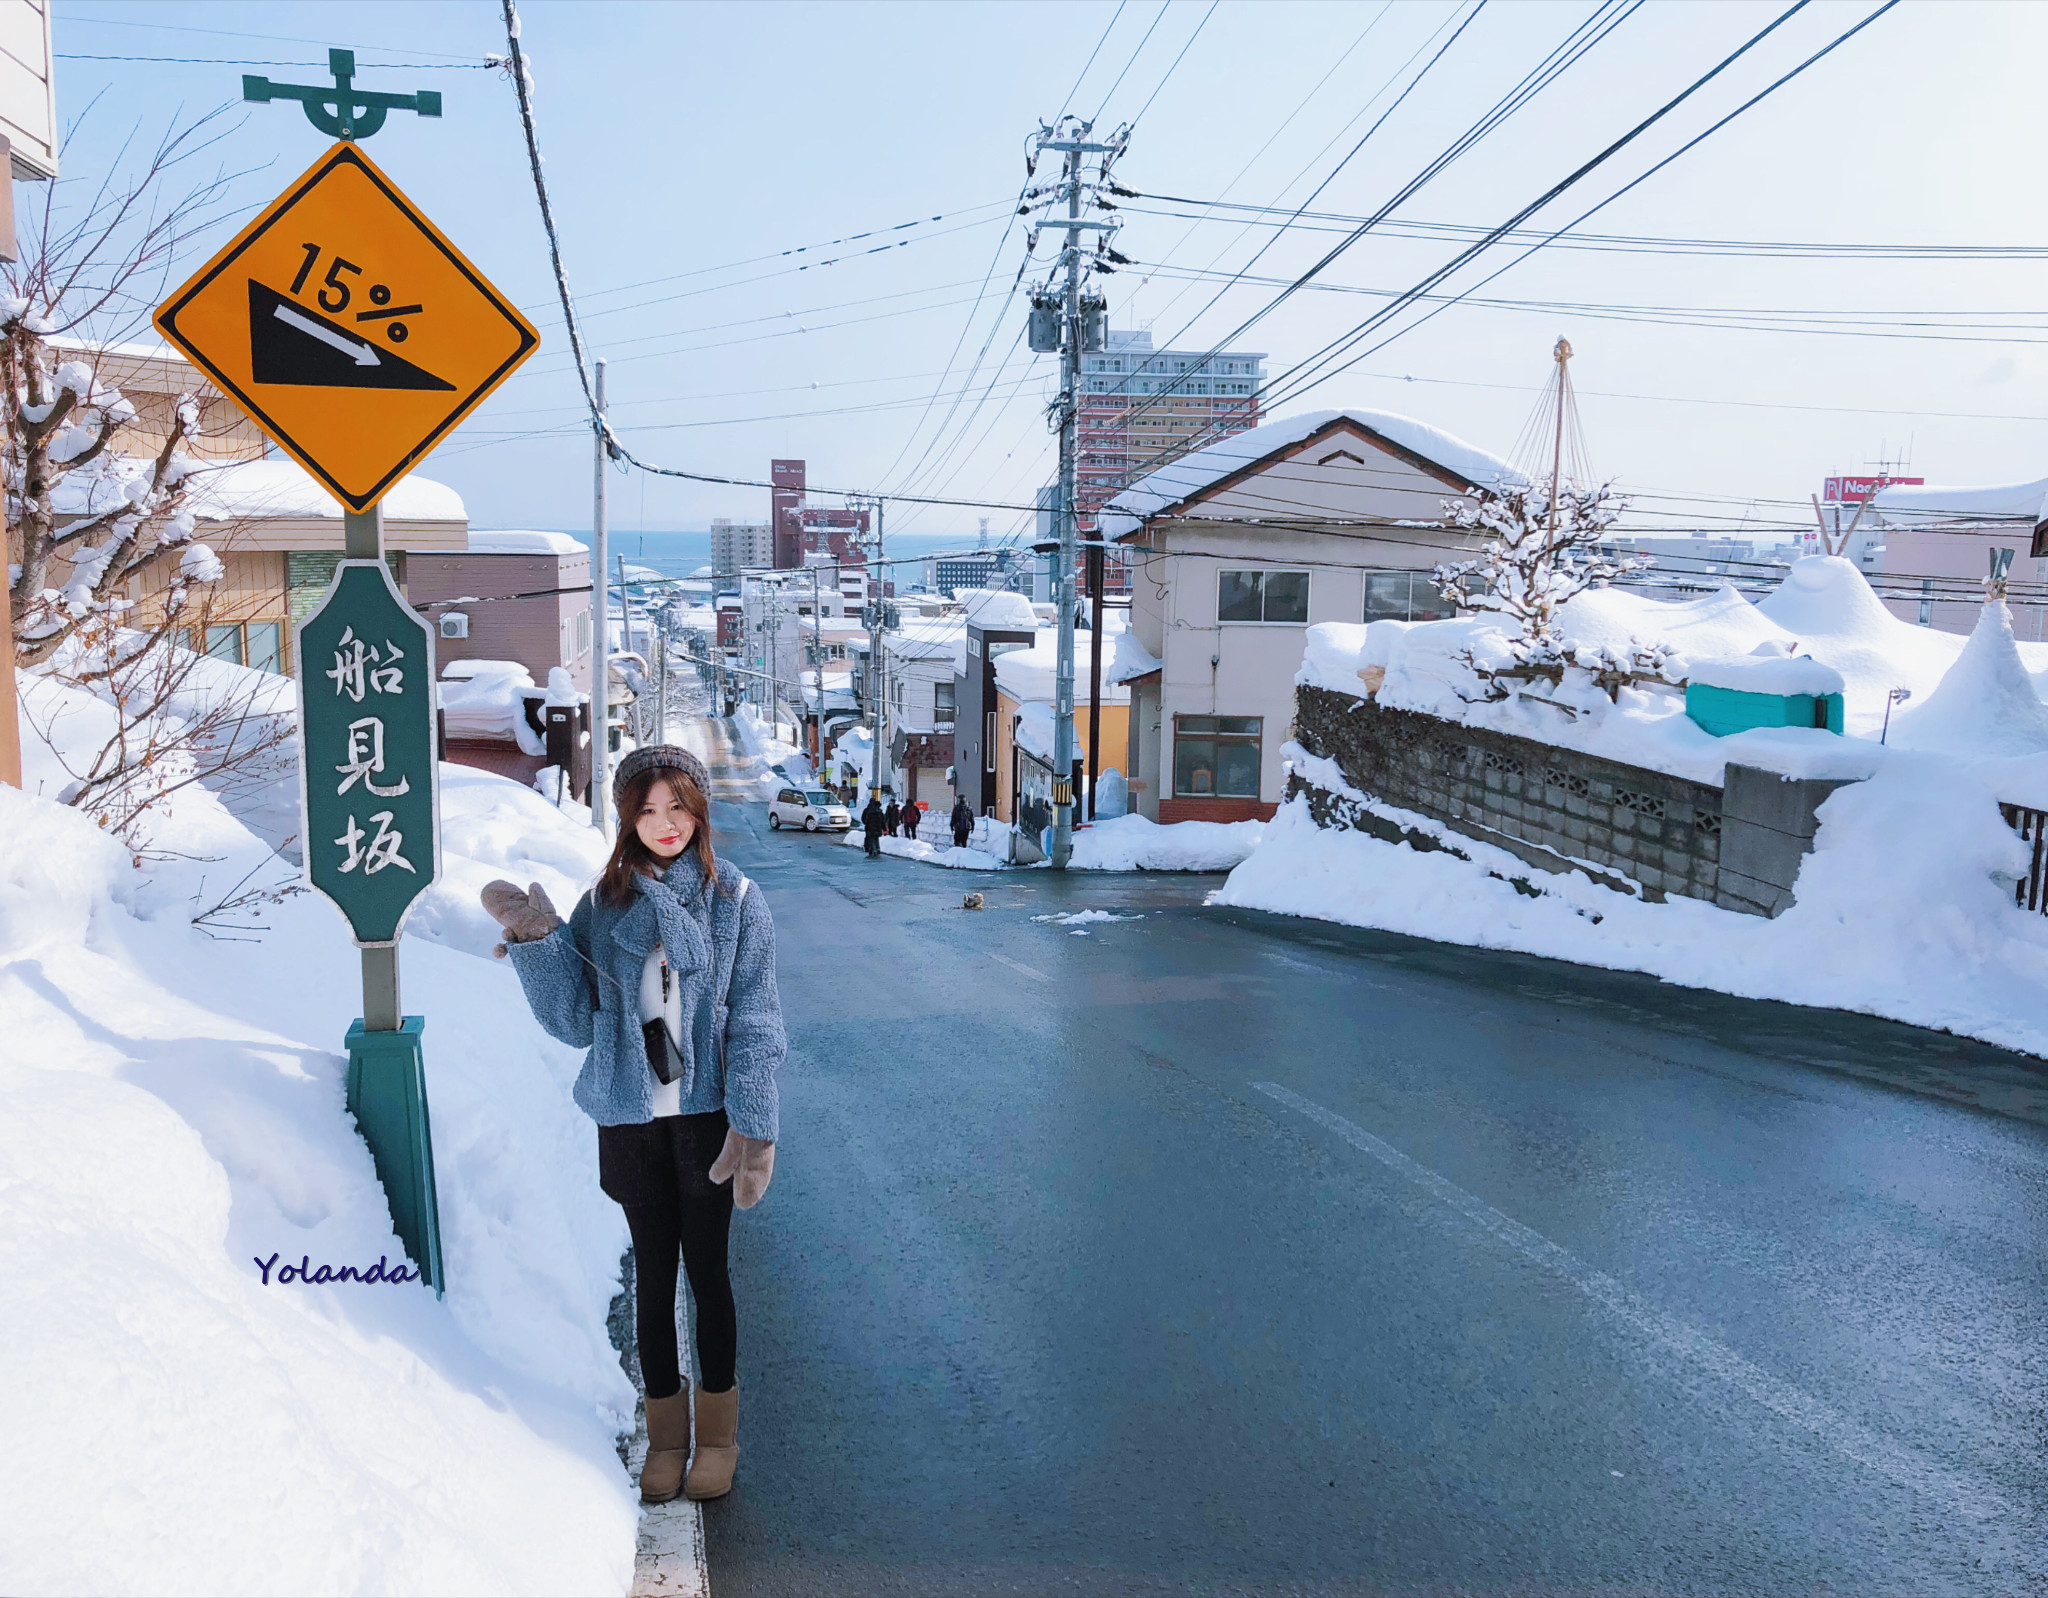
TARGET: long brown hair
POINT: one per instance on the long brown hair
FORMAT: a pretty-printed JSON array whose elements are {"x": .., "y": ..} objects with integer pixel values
[{"x": 631, "y": 859}]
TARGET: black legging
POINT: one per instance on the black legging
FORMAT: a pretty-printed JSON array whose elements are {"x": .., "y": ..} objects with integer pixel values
[
  {"x": 659, "y": 1172},
  {"x": 697, "y": 1230}
]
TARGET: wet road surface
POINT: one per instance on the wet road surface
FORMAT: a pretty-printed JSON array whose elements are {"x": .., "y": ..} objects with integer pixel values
[{"x": 1217, "y": 1252}]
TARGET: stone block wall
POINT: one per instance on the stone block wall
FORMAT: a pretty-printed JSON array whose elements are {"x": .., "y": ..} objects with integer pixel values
[{"x": 1558, "y": 810}]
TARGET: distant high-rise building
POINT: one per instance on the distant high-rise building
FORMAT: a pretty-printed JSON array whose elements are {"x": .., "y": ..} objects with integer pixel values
[
  {"x": 1130, "y": 424},
  {"x": 736, "y": 546},
  {"x": 802, "y": 530},
  {"x": 978, "y": 569}
]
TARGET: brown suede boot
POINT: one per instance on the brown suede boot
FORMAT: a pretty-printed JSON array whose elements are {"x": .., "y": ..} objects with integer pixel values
[
  {"x": 718, "y": 1444},
  {"x": 668, "y": 1446}
]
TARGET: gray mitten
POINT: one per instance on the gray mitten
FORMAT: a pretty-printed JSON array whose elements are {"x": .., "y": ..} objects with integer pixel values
[
  {"x": 526, "y": 917},
  {"x": 753, "y": 1159}
]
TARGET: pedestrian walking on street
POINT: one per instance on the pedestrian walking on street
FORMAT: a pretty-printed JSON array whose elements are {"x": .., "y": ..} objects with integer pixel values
[
  {"x": 910, "y": 819},
  {"x": 665, "y": 972},
  {"x": 892, "y": 818},
  {"x": 963, "y": 822},
  {"x": 871, "y": 822}
]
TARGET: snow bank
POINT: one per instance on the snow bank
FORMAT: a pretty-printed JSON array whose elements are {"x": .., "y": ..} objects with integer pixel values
[
  {"x": 1825, "y": 608},
  {"x": 1899, "y": 913},
  {"x": 1134, "y": 843},
  {"x": 1986, "y": 705},
  {"x": 171, "y": 1113},
  {"x": 931, "y": 854}
]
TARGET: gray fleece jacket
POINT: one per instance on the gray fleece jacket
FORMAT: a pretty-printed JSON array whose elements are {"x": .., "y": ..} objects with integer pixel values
[{"x": 583, "y": 983}]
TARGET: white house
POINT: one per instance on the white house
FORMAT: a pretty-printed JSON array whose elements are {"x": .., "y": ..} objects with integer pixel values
[{"x": 1237, "y": 549}]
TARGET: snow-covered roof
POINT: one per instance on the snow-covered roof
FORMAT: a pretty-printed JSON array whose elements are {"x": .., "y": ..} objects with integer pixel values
[
  {"x": 1128, "y": 659},
  {"x": 1026, "y": 675},
  {"x": 927, "y": 638},
  {"x": 505, "y": 542},
  {"x": 1179, "y": 480},
  {"x": 1903, "y": 502},
  {"x": 281, "y": 489},
  {"x": 998, "y": 609}
]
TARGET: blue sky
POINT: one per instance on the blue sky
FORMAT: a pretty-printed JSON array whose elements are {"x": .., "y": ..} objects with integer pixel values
[{"x": 689, "y": 145}]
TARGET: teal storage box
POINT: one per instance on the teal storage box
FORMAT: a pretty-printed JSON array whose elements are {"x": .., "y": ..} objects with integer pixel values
[
  {"x": 1722, "y": 711},
  {"x": 1771, "y": 688}
]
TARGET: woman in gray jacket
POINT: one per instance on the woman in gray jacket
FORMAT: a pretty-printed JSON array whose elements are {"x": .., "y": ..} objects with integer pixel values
[{"x": 665, "y": 971}]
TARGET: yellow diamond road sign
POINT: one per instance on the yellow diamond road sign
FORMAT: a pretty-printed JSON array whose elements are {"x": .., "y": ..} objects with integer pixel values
[{"x": 348, "y": 328}]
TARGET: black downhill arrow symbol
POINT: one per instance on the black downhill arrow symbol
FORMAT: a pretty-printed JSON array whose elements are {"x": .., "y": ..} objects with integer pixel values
[{"x": 289, "y": 344}]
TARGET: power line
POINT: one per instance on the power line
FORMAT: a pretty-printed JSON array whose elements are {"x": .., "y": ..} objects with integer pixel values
[
  {"x": 1613, "y": 242},
  {"x": 523, "y": 87},
  {"x": 1357, "y": 335}
]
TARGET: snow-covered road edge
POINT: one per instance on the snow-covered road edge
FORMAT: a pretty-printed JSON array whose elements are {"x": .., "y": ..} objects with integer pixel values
[{"x": 1898, "y": 914}]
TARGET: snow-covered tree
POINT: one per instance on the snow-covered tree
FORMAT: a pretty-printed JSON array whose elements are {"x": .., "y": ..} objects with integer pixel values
[
  {"x": 85, "y": 520},
  {"x": 1533, "y": 562},
  {"x": 90, "y": 524}
]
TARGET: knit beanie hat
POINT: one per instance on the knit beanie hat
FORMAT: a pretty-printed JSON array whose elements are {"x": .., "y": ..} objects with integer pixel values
[{"x": 670, "y": 756}]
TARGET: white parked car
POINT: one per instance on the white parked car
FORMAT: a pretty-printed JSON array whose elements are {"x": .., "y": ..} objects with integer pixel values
[{"x": 813, "y": 809}]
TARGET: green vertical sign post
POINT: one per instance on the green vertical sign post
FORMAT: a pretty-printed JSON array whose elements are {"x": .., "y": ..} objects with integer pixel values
[{"x": 370, "y": 786}]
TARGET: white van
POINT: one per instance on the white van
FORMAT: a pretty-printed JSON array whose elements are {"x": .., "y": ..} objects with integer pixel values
[{"x": 812, "y": 809}]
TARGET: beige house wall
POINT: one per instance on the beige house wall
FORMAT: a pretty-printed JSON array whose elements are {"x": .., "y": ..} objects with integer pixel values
[{"x": 1228, "y": 668}]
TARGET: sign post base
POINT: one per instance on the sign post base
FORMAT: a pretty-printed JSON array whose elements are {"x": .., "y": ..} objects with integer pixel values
[{"x": 387, "y": 1094}]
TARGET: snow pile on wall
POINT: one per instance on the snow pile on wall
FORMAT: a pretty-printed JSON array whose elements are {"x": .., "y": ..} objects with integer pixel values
[
  {"x": 1986, "y": 706},
  {"x": 1898, "y": 912},
  {"x": 1133, "y": 843},
  {"x": 171, "y": 1113},
  {"x": 1824, "y": 608}
]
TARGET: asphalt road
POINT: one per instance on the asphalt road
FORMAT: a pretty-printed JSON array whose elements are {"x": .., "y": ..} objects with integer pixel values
[{"x": 1216, "y": 1252}]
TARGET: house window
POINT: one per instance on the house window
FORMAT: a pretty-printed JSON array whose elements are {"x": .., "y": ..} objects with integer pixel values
[
  {"x": 1404, "y": 596},
  {"x": 1262, "y": 596},
  {"x": 942, "y": 703},
  {"x": 988, "y": 744},
  {"x": 264, "y": 647},
  {"x": 224, "y": 643},
  {"x": 1216, "y": 757}
]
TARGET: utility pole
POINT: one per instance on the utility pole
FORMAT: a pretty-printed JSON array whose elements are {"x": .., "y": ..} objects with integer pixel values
[
  {"x": 601, "y": 677},
  {"x": 877, "y": 614},
  {"x": 1074, "y": 324},
  {"x": 1094, "y": 670},
  {"x": 626, "y": 638},
  {"x": 661, "y": 691},
  {"x": 818, "y": 672}
]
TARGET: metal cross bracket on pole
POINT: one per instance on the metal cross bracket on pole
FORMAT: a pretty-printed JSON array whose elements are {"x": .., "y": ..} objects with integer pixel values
[{"x": 356, "y": 114}]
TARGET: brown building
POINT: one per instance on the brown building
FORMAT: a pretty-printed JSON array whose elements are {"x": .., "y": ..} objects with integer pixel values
[{"x": 518, "y": 596}]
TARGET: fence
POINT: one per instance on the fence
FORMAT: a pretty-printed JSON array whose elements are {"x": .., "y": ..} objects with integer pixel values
[{"x": 2032, "y": 826}]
